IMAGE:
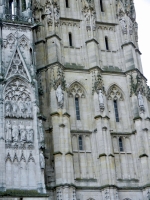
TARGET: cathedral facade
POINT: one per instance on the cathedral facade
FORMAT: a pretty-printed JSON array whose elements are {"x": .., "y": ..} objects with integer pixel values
[{"x": 74, "y": 103}]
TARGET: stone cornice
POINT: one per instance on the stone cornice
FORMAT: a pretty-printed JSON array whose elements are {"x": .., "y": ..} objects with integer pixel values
[
  {"x": 80, "y": 131},
  {"x": 106, "y": 23},
  {"x": 69, "y": 19}
]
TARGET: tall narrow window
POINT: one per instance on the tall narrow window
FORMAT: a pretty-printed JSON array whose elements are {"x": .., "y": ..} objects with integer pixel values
[
  {"x": 121, "y": 144},
  {"x": 106, "y": 43},
  {"x": 23, "y": 5},
  {"x": 80, "y": 143},
  {"x": 77, "y": 108},
  {"x": 70, "y": 39},
  {"x": 116, "y": 110},
  {"x": 101, "y": 5},
  {"x": 11, "y": 7},
  {"x": 67, "y": 3}
]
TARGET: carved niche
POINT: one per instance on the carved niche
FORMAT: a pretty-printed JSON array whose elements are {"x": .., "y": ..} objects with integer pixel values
[
  {"x": 115, "y": 93},
  {"x": 10, "y": 41},
  {"x": 89, "y": 14},
  {"x": 137, "y": 84}
]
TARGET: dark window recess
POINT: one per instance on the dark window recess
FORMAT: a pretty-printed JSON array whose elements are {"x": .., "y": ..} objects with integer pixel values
[
  {"x": 106, "y": 43},
  {"x": 121, "y": 145},
  {"x": 80, "y": 143},
  {"x": 67, "y": 4},
  {"x": 101, "y": 5},
  {"x": 23, "y": 5},
  {"x": 116, "y": 110},
  {"x": 70, "y": 39},
  {"x": 77, "y": 108}
]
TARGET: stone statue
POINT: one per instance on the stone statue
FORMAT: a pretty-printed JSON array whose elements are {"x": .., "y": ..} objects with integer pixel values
[
  {"x": 15, "y": 132},
  {"x": 23, "y": 132},
  {"x": 30, "y": 136},
  {"x": 41, "y": 133},
  {"x": 123, "y": 25},
  {"x": 140, "y": 100},
  {"x": 60, "y": 96},
  {"x": 8, "y": 131},
  {"x": 14, "y": 109},
  {"x": 42, "y": 160},
  {"x": 8, "y": 109},
  {"x": 101, "y": 100},
  {"x": 22, "y": 109}
]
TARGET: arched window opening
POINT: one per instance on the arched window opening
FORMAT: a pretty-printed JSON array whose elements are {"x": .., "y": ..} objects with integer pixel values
[
  {"x": 121, "y": 145},
  {"x": 101, "y": 6},
  {"x": 70, "y": 39},
  {"x": 106, "y": 43},
  {"x": 116, "y": 110},
  {"x": 77, "y": 108},
  {"x": 31, "y": 56},
  {"x": 67, "y": 3},
  {"x": 11, "y": 7},
  {"x": 23, "y": 5},
  {"x": 80, "y": 143}
]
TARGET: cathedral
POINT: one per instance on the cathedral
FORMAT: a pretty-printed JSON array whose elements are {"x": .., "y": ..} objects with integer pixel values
[{"x": 74, "y": 103}]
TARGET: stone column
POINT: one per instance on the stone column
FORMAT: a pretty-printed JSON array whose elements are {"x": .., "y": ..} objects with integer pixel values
[{"x": 2, "y": 143}]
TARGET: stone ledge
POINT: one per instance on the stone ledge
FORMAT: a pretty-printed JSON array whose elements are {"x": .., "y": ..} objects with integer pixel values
[{"x": 22, "y": 193}]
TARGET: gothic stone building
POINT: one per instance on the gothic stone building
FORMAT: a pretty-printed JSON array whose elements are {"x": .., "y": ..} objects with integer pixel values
[{"x": 74, "y": 103}]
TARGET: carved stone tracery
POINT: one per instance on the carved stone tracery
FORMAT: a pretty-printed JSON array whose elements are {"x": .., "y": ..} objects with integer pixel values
[
  {"x": 115, "y": 93},
  {"x": 76, "y": 90}
]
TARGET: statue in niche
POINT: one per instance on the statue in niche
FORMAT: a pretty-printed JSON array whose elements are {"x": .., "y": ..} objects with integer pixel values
[
  {"x": 23, "y": 132},
  {"x": 30, "y": 135},
  {"x": 60, "y": 96},
  {"x": 8, "y": 131},
  {"x": 123, "y": 25},
  {"x": 14, "y": 109},
  {"x": 140, "y": 100},
  {"x": 15, "y": 132},
  {"x": 29, "y": 109},
  {"x": 41, "y": 133},
  {"x": 22, "y": 109},
  {"x": 101, "y": 100},
  {"x": 8, "y": 109},
  {"x": 42, "y": 160}
]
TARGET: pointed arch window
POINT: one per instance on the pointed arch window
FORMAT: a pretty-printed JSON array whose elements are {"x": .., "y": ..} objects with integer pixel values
[
  {"x": 101, "y": 6},
  {"x": 106, "y": 43},
  {"x": 70, "y": 39},
  {"x": 80, "y": 143},
  {"x": 77, "y": 108},
  {"x": 116, "y": 110},
  {"x": 121, "y": 145}
]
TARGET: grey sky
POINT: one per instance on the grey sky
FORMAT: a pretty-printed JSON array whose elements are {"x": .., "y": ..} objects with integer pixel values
[{"x": 143, "y": 15}]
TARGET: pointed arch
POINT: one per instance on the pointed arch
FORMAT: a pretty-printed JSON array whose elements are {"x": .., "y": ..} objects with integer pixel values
[
  {"x": 8, "y": 158},
  {"x": 17, "y": 66},
  {"x": 76, "y": 90},
  {"x": 115, "y": 93}
]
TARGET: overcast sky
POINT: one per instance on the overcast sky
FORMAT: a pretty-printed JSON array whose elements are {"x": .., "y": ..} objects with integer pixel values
[{"x": 143, "y": 16}]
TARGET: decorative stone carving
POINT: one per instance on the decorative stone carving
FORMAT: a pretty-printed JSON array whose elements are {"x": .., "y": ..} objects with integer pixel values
[
  {"x": 15, "y": 132},
  {"x": 8, "y": 131},
  {"x": 140, "y": 101},
  {"x": 51, "y": 12},
  {"x": 101, "y": 100},
  {"x": 41, "y": 132},
  {"x": 136, "y": 31},
  {"x": 10, "y": 41},
  {"x": 97, "y": 82},
  {"x": 17, "y": 67},
  {"x": 89, "y": 14},
  {"x": 148, "y": 93},
  {"x": 107, "y": 195},
  {"x": 42, "y": 160},
  {"x": 60, "y": 97},
  {"x": 123, "y": 24},
  {"x": 17, "y": 100},
  {"x": 115, "y": 93},
  {"x": 76, "y": 90},
  {"x": 23, "y": 41},
  {"x": 136, "y": 85},
  {"x": 23, "y": 132}
]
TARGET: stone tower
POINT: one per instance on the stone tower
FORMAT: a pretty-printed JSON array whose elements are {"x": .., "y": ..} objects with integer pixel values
[{"x": 74, "y": 103}]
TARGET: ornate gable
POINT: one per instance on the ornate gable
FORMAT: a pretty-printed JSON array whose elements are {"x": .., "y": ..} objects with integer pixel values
[{"x": 17, "y": 66}]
